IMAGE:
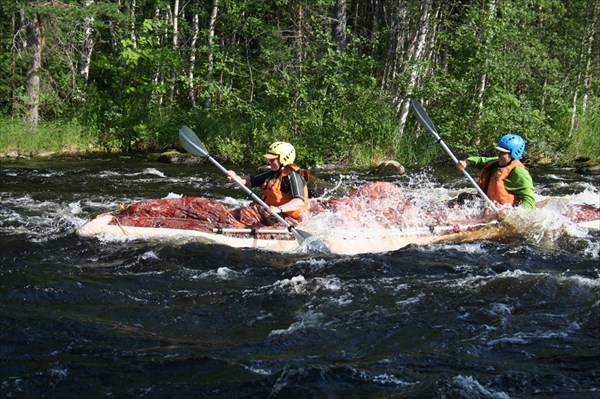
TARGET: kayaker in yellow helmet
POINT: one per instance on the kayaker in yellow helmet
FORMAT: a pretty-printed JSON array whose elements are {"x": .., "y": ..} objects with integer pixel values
[{"x": 283, "y": 186}]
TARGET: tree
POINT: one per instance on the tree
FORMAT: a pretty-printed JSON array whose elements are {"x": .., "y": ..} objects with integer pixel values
[
  {"x": 85, "y": 55},
  {"x": 32, "y": 24},
  {"x": 211, "y": 51},
  {"x": 334, "y": 73},
  {"x": 339, "y": 25},
  {"x": 415, "y": 53}
]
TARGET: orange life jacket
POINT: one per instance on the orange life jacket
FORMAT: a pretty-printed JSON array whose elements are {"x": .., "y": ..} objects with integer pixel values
[
  {"x": 272, "y": 194},
  {"x": 494, "y": 186}
]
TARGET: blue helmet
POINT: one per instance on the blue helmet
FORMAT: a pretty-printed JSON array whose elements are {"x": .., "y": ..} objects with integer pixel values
[{"x": 512, "y": 143}]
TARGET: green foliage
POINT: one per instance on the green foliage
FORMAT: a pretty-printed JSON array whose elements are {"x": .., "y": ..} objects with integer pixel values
[
  {"x": 526, "y": 58},
  {"x": 274, "y": 73}
]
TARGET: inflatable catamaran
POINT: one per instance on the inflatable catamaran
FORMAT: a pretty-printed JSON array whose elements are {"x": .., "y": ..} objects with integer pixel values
[{"x": 380, "y": 217}]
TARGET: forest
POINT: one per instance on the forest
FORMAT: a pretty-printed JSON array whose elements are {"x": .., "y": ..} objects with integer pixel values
[{"x": 333, "y": 77}]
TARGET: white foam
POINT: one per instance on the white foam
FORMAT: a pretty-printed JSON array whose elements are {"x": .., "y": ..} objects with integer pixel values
[
  {"x": 472, "y": 388},
  {"x": 410, "y": 301},
  {"x": 257, "y": 370},
  {"x": 149, "y": 255},
  {"x": 329, "y": 284},
  {"x": 147, "y": 171},
  {"x": 307, "y": 319},
  {"x": 501, "y": 308},
  {"x": 296, "y": 284},
  {"x": 151, "y": 171},
  {"x": 226, "y": 273},
  {"x": 385, "y": 379},
  {"x": 235, "y": 202},
  {"x": 75, "y": 207}
]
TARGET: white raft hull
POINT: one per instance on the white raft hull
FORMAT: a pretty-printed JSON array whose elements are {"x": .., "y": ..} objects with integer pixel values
[
  {"x": 342, "y": 242},
  {"x": 100, "y": 227}
]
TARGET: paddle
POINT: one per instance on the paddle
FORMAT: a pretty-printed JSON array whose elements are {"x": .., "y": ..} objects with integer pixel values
[
  {"x": 428, "y": 124},
  {"x": 192, "y": 144},
  {"x": 250, "y": 231}
]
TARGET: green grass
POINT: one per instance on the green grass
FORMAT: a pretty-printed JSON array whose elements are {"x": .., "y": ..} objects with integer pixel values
[
  {"x": 370, "y": 144},
  {"x": 586, "y": 137},
  {"x": 63, "y": 137}
]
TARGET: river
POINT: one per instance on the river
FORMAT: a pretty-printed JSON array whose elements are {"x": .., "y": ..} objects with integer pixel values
[{"x": 92, "y": 318}]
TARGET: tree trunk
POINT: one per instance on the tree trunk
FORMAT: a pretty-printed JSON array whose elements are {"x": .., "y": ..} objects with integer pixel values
[
  {"x": 395, "y": 49},
  {"x": 161, "y": 39},
  {"x": 433, "y": 50},
  {"x": 590, "y": 61},
  {"x": 19, "y": 46},
  {"x": 195, "y": 33},
  {"x": 132, "y": 34},
  {"x": 211, "y": 40},
  {"x": 85, "y": 55},
  {"x": 574, "y": 110},
  {"x": 339, "y": 25},
  {"x": 487, "y": 39},
  {"x": 376, "y": 17},
  {"x": 112, "y": 30},
  {"x": 35, "y": 44},
  {"x": 299, "y": 37},
  {"x": 175, "y": 47},
  {"x": 416, "y": 50},
  {"x": 587, "y": 72}
]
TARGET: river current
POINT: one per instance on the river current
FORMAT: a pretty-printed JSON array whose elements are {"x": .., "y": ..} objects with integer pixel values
[{"x": 91, "y": 318}]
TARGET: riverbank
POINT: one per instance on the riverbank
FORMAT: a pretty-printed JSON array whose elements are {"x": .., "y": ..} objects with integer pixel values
[{"x": 582, "y": 165}]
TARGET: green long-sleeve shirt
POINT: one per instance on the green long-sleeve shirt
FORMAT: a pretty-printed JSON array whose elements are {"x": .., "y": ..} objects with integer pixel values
[{"x": 518, "y": 181}]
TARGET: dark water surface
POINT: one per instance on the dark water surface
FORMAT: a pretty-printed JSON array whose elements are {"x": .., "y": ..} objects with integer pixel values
[{"x": 518, "y": 318}]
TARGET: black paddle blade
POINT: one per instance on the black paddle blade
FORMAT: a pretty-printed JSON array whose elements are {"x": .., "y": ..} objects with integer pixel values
[{"x": 191, "y": 142}]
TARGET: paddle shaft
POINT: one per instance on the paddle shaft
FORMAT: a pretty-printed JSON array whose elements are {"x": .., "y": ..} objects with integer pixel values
[
  {"x": 251, "y": 231},
  {"x": 428, "y": 124},
  {"x": 202, "y": 152}
]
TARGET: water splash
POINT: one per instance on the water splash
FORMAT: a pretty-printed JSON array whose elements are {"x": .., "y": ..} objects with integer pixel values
[
  {"x": 469, "y": 387},
  {"x": 384, "y": 211}
]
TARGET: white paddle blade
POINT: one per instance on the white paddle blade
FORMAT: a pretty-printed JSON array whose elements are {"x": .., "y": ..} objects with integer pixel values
[{"x": 191, "y": 143}]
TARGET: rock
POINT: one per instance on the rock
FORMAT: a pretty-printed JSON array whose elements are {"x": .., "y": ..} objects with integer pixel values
[
  {"x": 589, "y": 167},
  {"x": 179, "y": 158},
  {"x": 390, "y": 166},
  {"x": 44, "y": 154},
  {"x": 318, "y": 187},
  {"x": 13, "y": 154}
]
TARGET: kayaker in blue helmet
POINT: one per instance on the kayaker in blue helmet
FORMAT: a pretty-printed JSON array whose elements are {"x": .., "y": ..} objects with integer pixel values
[{"x": 503, "y": 178}]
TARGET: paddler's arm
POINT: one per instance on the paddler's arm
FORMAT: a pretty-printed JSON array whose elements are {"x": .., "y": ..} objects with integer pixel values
[
  {"x": 244, "y": 179},
  {"x": 477, "y": 162},
  {"x": 520, "y": 183},
  {"x": 290, "y": 206}
]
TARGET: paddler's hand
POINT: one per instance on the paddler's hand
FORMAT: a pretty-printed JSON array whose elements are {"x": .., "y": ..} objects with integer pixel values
[
  {"x": 231, "y": 175},
  {"x": 275, "y": 210},
  {"x": 462, "y": 165},
  {"x": 502, "y": 214}
]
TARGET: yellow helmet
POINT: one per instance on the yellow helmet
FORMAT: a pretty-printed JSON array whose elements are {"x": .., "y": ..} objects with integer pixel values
[{"x": 285, "y": 152}]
